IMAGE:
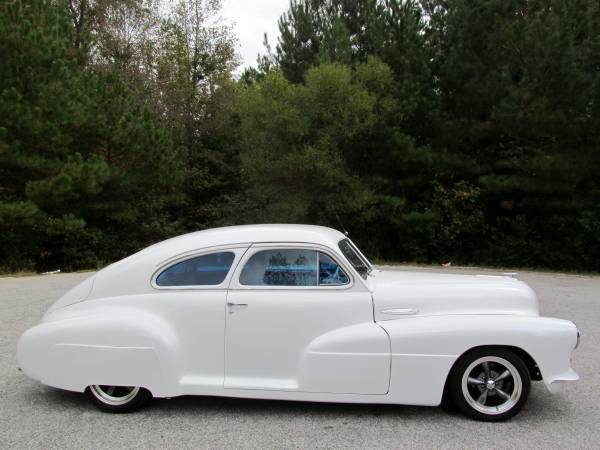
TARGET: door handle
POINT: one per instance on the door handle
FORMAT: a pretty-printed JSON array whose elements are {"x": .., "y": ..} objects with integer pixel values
[
  {"x": 236, "y": 306},
  {"x": 401, "y": 311}
]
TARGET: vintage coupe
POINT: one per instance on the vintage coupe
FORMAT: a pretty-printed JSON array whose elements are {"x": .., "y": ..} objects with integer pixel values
[{"x": 295, "y": 312}]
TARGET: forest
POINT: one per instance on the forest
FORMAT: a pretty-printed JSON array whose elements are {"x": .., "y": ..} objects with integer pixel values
[{"x": 433, "y": 131}]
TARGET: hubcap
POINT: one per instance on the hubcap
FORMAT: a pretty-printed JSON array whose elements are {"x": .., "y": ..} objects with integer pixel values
[
  {"x": 491, "y": 385},
  {"x": 114, "y": 395}
]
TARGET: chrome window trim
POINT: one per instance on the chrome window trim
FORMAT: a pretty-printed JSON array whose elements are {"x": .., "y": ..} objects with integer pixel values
[
  {"x": 360, "y": 256},
  {"x": 255, "y": 248},
  {"x": 237, "y": 251}
]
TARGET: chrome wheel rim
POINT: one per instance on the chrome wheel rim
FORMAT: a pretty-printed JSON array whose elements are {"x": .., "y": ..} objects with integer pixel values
[
  {"x": 491, "y": 385},
  {"x": 114, "y": 395}
]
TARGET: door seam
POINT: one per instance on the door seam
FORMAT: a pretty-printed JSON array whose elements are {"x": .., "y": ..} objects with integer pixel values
[{"x": 233, "y": 272}]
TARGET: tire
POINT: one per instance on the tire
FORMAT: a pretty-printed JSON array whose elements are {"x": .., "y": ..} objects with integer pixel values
[
  {"x": 118, "y": 399},
  {"x": 489, "y": 384},
  {"x": 447, "y": 404}
]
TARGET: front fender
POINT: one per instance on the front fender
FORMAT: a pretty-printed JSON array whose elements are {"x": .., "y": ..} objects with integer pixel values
[
  {"x": 425, "y": 348},
  {"x": 353, "y": 359}
]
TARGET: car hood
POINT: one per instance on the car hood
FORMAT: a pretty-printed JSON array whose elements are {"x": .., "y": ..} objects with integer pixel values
[{"x": 401, "y": 294}]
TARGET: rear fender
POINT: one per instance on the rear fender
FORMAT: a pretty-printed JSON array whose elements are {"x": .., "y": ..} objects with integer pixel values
[{"x": 113, "y": 346}]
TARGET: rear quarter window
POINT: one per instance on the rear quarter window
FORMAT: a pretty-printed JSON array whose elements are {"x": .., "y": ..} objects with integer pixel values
[{"x": 205, "y": 270}]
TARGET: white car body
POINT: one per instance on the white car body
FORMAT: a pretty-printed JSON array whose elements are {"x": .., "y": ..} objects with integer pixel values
[{"x": 390, "y": 338}]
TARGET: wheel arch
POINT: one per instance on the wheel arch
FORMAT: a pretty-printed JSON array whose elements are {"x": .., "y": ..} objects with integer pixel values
[{"x": 534, "y": 370}]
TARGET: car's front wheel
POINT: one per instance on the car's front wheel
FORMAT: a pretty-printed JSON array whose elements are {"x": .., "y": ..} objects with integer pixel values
[
  {"x": 118, "y": 399},
  {"x": 490, "y": 384}
]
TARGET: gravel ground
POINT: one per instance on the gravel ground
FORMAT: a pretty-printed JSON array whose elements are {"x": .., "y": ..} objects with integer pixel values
[{"x": 35, "y": 416}]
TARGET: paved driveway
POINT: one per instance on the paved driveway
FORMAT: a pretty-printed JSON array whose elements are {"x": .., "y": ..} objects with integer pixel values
[{"x": 34, "y": 416}]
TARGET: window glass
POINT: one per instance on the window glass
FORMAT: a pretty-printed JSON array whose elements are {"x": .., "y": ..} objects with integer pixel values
[
  {"x": 281, "y": 268},
  {"x": 205, "y": 270},
  {"x": 353, "y": 255},
  {"x": 330, "y": 273}
]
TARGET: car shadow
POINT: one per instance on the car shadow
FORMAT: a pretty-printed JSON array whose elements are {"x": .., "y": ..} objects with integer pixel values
[
  {"x": 541, "y": 407},
  {"x": 233, "y": 406},
  {"x": 194, "y": 405}
]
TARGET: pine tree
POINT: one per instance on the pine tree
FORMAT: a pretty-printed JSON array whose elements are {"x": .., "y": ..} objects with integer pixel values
[{"x": 87, "y": 172}]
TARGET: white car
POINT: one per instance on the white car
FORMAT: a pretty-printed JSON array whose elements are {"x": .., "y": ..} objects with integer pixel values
[{"x": 295, "y": 312}]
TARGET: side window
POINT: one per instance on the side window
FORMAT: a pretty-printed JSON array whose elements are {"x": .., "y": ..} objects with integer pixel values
[
  {"x": 205, "y": 270},
  {"x": 292, "y": 268},
  {"x": 330, "y": 273},
  {"x": 281, "y": 268}
]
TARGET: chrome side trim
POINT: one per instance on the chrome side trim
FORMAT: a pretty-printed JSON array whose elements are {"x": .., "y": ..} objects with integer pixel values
[{"x": 400, "y": 311}]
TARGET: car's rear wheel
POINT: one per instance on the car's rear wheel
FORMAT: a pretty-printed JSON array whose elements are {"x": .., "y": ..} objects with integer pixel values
[
  {"x": 118, "y": 399},
  {"x": 490, "y": 384}
]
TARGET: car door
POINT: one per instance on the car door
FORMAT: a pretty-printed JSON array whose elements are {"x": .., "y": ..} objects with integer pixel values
[
  {"x": 190, "y": 295},
  {"x": 299, "y": 319}
]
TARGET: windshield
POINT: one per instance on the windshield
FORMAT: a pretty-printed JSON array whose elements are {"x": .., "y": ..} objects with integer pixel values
[{"x": 355, "y": 257}]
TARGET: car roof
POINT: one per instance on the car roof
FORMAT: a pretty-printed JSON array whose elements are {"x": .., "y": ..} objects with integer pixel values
[
  {"x": 138, "y": 267},
  {"x": 132, "y": 274},
  {"x": 232, "y": 235}
]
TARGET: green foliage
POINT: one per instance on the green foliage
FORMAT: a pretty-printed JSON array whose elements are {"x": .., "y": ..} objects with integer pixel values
[
  {"x": 293, "y": 142},
  {"x": 433, "y": 131},
  {"x": 481, "y": 144},
  {"x": 88, "y": 172},
  {"x": 519, "y": 104}
]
